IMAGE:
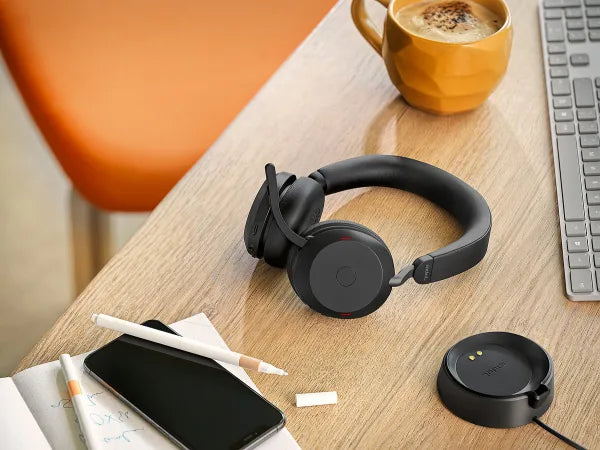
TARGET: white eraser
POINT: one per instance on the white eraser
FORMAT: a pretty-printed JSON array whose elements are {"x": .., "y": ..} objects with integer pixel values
[{"x": 316, "y": 399}]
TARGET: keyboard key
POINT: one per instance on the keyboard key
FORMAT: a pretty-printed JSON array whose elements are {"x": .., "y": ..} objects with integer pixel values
[
  {"x": 570, "y": 178},
  {"x": 556, "y": 48},
  {"x": 590, "y": 154},
  {"x": 584, "y": 91},
  {"x": 597, "y": 82},
  {"x": 595, "y": 228},
  {"x": 592, "y": 12},
  {"x": 575, "y": 24},
  {"x": 553, "y": 14},
  {"x": 580, "y": 59},
  {"x": 554, "y": 31},
  {"x": 564, "y": 115},
  {"x": 577, "y": 245},
  {"x": 557, "y": 60},
  {"x": 581, "y": 280},
  {"x": 589, "y": 141},
  {"x": 576, "y": 36},
  {"x": 594, "y": 35},
  {"x": 594, "y": 212},
  {"x": 596, "y": 243},
  {"x": 591, "y": 168},
  {"x": 592, "y": 183},
  {"x": 565, "y": 128},
  {"x": 579, "y": 261},
  {"x": 586, "y": 127},
  {"x": 592, "y": 2},
  {"x": 559, "y": 72},
  {"x": 571, "y": 13},
  {"x": 593, "y": 198},
  {"x": 585, "y": 114},
  {"x": 560, "y": 87},
  {"x": 561, "y": 3},
  {"x": 575, "y": 229},
  {"x": 593, "y": 23},
  {"x": 597, "y": 260},
  {"x": 562, "y": 102}
]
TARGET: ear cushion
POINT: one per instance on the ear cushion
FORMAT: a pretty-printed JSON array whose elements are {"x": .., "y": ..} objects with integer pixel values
[
  {"x": 317, "y": 228},
  {"x": 301, "y": 206},
  {"x": 257, "y": 219}
]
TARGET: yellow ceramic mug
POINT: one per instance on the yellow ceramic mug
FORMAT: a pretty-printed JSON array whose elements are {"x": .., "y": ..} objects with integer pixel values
[{"x": 439, "y": 77}]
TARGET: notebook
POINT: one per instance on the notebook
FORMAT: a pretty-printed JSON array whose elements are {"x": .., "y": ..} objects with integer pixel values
[{"x": 36, "y": 413}]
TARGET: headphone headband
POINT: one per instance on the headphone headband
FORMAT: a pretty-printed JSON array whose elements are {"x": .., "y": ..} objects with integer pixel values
[{"x": 436, "y": 185}]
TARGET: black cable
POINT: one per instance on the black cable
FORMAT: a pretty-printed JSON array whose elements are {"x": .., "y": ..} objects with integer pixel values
[{"x": 558, "y": 435}]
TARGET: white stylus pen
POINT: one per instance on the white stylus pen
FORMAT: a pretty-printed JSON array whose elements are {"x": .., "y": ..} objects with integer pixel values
[
  {"x": 185, "y": 344},
  {"x": 78, "y": 399}
]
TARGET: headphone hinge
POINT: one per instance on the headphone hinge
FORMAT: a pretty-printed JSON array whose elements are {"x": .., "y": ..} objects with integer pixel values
[{"x": 423, "y": 269}]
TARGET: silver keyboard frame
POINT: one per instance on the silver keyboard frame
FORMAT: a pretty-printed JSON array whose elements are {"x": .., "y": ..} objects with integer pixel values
[{"x": 592, "y": 71}]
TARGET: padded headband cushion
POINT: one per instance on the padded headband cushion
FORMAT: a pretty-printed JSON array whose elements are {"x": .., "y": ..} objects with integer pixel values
[
  {"x": 436, "y": 185},
  {"x": 301, "y": 206}
]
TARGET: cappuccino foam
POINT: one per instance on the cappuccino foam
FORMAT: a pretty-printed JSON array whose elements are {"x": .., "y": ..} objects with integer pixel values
[{"x": 455, "y": 21}]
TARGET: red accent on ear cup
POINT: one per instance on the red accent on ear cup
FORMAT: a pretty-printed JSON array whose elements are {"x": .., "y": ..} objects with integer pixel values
[{"x": 301, "y": 206}]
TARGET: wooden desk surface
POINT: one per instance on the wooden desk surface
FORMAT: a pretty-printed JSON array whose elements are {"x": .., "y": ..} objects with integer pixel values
[{"x": 332, "y": 100}]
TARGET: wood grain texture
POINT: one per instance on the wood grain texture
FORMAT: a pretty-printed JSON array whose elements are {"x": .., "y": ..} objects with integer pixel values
[{"x": 332, "y": 100}]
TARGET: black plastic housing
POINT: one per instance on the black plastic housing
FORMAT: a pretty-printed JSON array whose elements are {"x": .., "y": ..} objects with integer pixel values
[
  {"x": 333, "y": 249},
  {"x": 497, "y": 379}
]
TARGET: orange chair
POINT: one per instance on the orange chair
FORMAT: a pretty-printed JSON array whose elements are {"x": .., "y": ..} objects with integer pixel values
[{"x": 129, "y": 93}]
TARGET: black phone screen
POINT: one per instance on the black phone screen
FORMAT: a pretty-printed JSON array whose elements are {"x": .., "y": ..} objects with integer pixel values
[{"x": 192, "y": 398}]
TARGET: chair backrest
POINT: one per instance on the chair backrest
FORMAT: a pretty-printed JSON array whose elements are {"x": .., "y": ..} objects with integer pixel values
[{"x": 129, "y": 93}]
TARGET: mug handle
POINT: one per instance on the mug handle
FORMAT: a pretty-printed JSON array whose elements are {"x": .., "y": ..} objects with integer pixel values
[{"x": 365, "y": 25}]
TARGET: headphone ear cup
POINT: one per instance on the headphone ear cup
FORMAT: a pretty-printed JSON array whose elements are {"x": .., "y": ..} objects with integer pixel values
[
  {"x": 301, "y": 206},
  {"x": 257, "y": 220},
  {"x": 343, "y": 271}
]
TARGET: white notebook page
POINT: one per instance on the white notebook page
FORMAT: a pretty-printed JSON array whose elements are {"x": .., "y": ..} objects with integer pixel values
[
  {"x": 118, "y": 427},
  {"x": 18, "y": 428}
]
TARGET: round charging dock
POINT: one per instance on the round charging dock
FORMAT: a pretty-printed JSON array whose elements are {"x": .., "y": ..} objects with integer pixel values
[{"x": 497, "y": 379}]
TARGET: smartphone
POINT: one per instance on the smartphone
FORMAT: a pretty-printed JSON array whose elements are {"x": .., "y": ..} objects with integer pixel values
[{"x": 191, "y": 399}]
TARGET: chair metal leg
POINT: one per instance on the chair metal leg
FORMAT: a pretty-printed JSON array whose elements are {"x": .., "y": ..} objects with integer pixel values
[{"x": 91, "y": 240}]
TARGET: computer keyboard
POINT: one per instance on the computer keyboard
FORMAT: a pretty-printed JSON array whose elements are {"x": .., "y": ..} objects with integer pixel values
[{"x": 571, "y": 47}]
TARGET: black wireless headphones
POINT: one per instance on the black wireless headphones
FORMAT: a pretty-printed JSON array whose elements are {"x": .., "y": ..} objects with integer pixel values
[{"x": 341, "y": 268}]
